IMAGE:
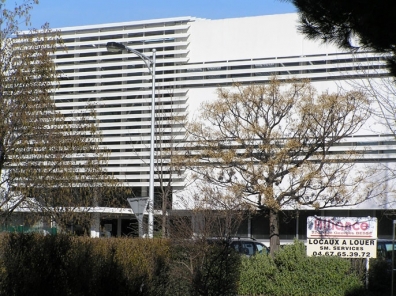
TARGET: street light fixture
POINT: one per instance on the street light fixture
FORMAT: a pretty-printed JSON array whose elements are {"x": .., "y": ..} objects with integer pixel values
[{"x": 150, "y": 64}]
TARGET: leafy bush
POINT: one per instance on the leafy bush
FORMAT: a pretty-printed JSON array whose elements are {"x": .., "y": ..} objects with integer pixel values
[
  {"x": 32, "y": 264},
  {"x": 199, "y": 268},
  {"x": 144, "y": 263},
  {"x": 257, "y": 276},
  {"x": 218, "y": 272},
  {"x": 291, "y": 272},
  {"x": 380, "y": 277}
]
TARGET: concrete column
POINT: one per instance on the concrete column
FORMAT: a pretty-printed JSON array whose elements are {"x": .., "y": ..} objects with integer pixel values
[
  {"x": 119, "y": 227},
  {"x": 249, "y": 230},
  {"x": 198, "y": 224},
  {"x": 144, "y": 191},
  {"x": 95, "y": 225}
]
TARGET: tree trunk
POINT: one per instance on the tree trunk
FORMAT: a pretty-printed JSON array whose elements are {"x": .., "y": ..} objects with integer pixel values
[
  {"x": 164, "y": 224},
  {"x": 164, "y": 218},
  {"x": 2, "y": 157},
  {"x": 274, "y": 231}
]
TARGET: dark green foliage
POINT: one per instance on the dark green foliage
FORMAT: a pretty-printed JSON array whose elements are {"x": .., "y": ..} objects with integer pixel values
[
  {"x": 291, "y": 272},
  {"x": 258, "y": 276},
  {"x": 32, "y": 264},
  {"x": 380, "y": 277},
  {"x": 199, "y": 268},
  {"x": 373, "y": 22},
  {"x": 218, "y": 272},
  {"x": 180, "y": 269},
  {"x": 61, "y": 265}
]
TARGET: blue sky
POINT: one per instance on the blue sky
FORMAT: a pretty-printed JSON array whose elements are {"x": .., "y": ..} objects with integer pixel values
[{"x": 65, "y": 13}]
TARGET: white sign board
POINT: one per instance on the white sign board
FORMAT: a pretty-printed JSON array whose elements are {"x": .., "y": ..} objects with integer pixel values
[
  {"x": 346, "y": 248},
  {"x": 339, "y": 227},
  {"x": 347, "y": 237}
]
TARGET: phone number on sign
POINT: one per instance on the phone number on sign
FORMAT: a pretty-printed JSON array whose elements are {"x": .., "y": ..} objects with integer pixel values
[{"x": 343, "y": 254}]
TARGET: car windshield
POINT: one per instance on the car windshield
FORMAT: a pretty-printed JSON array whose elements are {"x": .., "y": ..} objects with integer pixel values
[
  {"x": 388, "y": 247},
  {"x": 261, "y": 249},
  {"x": 385, "y": 249},
  {"x": 248, "y": 248}
]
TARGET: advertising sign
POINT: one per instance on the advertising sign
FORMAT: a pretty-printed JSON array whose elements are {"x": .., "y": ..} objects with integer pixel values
[
  {"x": 347, "y": 237},
  {"x": 346, "y": 248},
  {"x": 348, "y": 227}
]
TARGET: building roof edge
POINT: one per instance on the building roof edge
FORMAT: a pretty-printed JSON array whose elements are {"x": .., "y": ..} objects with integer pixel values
[{"x": 128, "y": 23}]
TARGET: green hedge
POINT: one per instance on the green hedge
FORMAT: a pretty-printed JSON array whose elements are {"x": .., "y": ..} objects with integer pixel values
[
  {"x": 291, "y": 272},
  {"x": 199, "y": 268},
  {"x": 380, "y": 277},
  {"x": 32, "y": 264}
]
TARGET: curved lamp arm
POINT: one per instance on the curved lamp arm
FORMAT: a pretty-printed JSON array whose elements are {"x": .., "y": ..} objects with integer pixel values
[{"x": 118, "y": 47}]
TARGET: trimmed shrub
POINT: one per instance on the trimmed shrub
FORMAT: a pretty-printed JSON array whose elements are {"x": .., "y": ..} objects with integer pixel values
[
  {"x": 32, "y": 264},
  {"x": 291, "y": 272},
  {"x": 199, "y": 268},
  {"x": 218, "y": 272},
  {"x": 380, "y": 277},
  {"x": 144, "y": 263},
  {"x": 257, "y": 276}
]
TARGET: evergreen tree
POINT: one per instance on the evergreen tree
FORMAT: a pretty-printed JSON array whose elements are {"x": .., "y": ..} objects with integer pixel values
[{"x": 372, "y": 23}]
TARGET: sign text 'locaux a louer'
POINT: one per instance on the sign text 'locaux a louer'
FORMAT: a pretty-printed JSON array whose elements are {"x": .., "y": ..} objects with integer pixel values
[{"x": 348, "y": 237}]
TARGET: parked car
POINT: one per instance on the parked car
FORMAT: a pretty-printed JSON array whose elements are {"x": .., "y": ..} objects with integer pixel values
[
  {"x": 248, "y": 246},
  {"x": 384, "y": 249},
  {"x": 245, "y": 246}
]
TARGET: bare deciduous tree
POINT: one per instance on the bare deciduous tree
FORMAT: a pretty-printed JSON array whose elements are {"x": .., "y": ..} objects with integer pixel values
[
  {"x": 212, "y": 212},
  {"x": 276, "y": 146},
  {"x": 372, "y": 79},
  {"x": 200, "y": 234},
  {"x": 170, "y": 133},
  {"x": 49, "y": 162}
]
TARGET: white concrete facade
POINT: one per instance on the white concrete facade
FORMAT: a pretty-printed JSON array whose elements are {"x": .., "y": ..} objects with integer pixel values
[{"x": 194, "y": 57}]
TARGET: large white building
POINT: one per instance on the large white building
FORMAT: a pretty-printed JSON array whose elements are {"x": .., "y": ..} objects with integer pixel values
[{"x": 193, "y": 58}]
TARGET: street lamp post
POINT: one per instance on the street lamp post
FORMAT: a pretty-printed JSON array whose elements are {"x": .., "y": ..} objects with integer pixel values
[{"x": 150, "y": 63}]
